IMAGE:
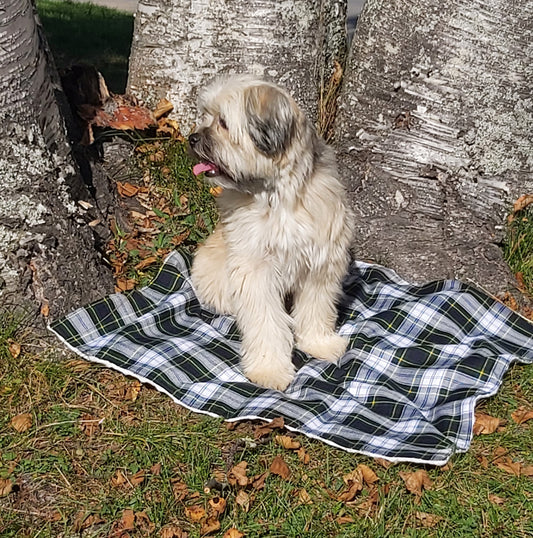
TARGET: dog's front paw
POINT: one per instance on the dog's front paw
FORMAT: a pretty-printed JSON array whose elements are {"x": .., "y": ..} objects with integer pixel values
[
  {"x": 329, "y": 347},
  {"x": 270, "y": 374}
]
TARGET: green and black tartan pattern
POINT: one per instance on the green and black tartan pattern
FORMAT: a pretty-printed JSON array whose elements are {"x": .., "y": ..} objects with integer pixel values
[{"x": 419, "y": 359}]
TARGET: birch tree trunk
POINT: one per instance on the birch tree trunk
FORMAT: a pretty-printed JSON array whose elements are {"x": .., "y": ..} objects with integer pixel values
[
  {"x": 180, "y": 45},
  {"x": 435, "y": 131},
  {"x": 47, "y": 254}
]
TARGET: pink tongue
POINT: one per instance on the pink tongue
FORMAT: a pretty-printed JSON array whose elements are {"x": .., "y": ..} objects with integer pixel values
[{"x": 200, "y": 168}]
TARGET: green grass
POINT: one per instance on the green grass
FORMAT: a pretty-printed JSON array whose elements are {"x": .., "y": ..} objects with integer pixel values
[
  {"x": 89, "y": 34},
  {"x": 518, "y": 248},
  {"x": 62, "y": 471}
]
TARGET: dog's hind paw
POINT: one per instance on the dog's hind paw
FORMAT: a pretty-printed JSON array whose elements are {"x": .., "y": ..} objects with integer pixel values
[{"x": 329, "y": 347}]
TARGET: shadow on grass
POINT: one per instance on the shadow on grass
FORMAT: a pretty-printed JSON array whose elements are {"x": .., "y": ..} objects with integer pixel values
[{"x": 89, "y": 34}]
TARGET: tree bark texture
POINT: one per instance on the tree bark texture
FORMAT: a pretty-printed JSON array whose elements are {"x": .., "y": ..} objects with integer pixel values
[
  {"x": 434, "y": 133},
  {"x": 47, "y": 254},
  {"x": 180, "y": 45}
]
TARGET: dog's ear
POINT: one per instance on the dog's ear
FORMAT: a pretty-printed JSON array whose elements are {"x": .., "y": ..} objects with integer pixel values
[{"x": 271, "y": 119}]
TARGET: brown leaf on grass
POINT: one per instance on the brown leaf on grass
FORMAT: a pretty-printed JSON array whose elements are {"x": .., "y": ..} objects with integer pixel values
[
  {"x": 522, "y": 414},
  {"x": 243, "y": 500},
  {"x": 509, "y": 466},
  {"x": 428, "y": 520},
  {"x": 343, "y": 520},
  {"x": 137, "y": 478},
  {"x": 6, "y": 487},
  {"x": 384, "y": 463},
  {"x": 195, "y": 513},
  {"x": 237, "y": 475},
  {"x": 280, "y": 468},
  {"x": 369, "y": 476},
  {"x": 303, "y": 456},
  {"x": 13, "y": 347},
  {"x": 132, "y": 391},
  {"x": 210, "y": 525},
  {"x": 89, "y": 424},
  {"x": 526, "y": 470},
  {"x": 268, "y": 427},
  {"x": 118, "y": 479},
  {"x": 127, "y": 190},
  {"x": 179, "y": 489},
  {"x": 217, "y": 505},
  {"x": 258, "y": 481},
  {"x": 146, "y": 263},
  {"x": 233, "y": 533},
  {"x": 143, "y": 523},
  {"x": 155, "y": 469},
  {"x": 483, "y": 460},
  {"x": 369, "y": 505},
  {"x": 494, "y": 499},
  {"x": 416, "y": 481},
  {"x": 84, "y": 520},
  {"x": 287, "y": 442},
  {"x": 121, "y": 527},
  {"x": 304, "y": 497},
  {"x": 485, "y": 424},
  {"x": 522, "y": 202},
  {"x": 172, "y": 531},
  {"x": 77, "y": 365},
  {"x": 354, "y": 484},
  {"x": 22, "y": 422},
  {"x": 124, "y": 284}
]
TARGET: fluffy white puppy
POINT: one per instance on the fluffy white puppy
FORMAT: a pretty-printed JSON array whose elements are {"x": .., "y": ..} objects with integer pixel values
[{"x": 284, "y": 226}]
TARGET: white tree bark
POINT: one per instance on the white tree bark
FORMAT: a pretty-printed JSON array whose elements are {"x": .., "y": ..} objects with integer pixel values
[
  {"x": 180, "y": 45},
  {"x": 435, "y": 133},
  {"x": 46, "y": 249}
]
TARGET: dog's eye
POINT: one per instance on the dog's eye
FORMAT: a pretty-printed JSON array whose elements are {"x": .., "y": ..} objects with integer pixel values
[{"x": 222, "y": 123}]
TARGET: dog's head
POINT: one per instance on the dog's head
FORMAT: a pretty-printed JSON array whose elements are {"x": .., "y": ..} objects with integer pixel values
[{"x": 250, "y": 133}]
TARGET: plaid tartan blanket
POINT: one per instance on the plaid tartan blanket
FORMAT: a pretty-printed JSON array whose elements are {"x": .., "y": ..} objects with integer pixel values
[{"x": 419, "y": 359}]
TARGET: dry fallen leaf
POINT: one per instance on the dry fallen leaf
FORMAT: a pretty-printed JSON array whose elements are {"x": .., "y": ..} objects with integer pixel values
[
  {"x": 383, "y": 462},
  {"x": 6, "y": 487},
  {"x": 417, "y": 481},
  {"x": 217, "y": 505},
  {"x": 126, "y": 189},
  {"x": 494, "y": 499},
  {"x": 243, "y": 500},
  {"x": 210, "y": 525},
  {"x": 172, "y": 531},
  {"x": 279, "y": 467},
  {"x": 428, "y": 520},
  {"x": 233, "y": 533},
  {"x": 303, "y": 497},
  {"x": 237, "y": 475},
  {"x": 124, "y": 524},
  {"x": 522, "y": 202},
  {"x": 22, "y": 422},
  {"x": 137, "y": 478},
  {"x": 485, "y": 424},
  {"x": 164, "y": 106},
  {"x": 354, "y": 484},
  {"x": 146, "y": 263},
  {"x": 303, "y": 456},
  {"x": 522, "y": 414},
  {"x": 258, "y": 482},
  {"x": 343, "y": 520},
  {"x": 287, "y": 442},
  {"x": 13, "y": 347},
  {"x": 265, "y": 429},
  {"x": 179, "y": 489},
  {"x": 143, "y": 523},
  {"x": 195, "y": 513},
  {"x": 369, "y": 476},
  {"x": 90, "y": 424}
]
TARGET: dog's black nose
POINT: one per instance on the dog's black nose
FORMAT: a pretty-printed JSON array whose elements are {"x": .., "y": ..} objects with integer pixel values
[{"x": 194, "y": 138}]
